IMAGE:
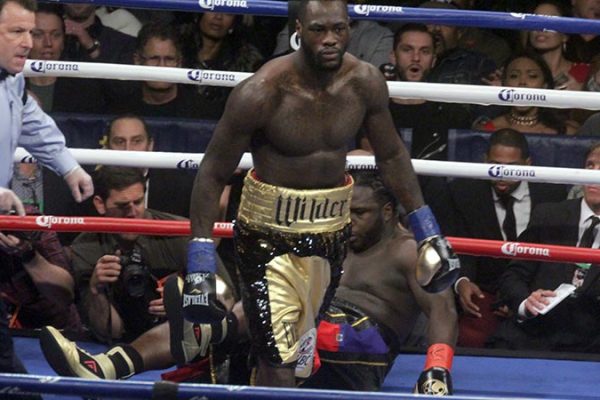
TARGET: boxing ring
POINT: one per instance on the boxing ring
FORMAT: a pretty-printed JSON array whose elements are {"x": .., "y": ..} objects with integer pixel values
[
  {"x": 474, "y": 377},
  {"x": 479, "y": 377}
]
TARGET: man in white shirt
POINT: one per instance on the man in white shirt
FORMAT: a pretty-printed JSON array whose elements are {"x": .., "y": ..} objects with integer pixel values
[
  {"x": 482, "y": 212},
  {"x": 528, "y": 287}
]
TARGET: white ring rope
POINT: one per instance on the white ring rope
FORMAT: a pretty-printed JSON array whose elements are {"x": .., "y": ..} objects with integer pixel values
[
  {"x": 448, "y": 93},
  {"x": 146, "y": 159}
]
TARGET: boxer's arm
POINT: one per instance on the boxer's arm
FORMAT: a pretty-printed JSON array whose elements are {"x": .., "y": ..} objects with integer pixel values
[
  {"x": 242, "y": 117},
  {"x": 230, "y": 140},
  {"x": 391, "y": 155},
  {"x": 438, "y": 266},
  {"x": 441, "y": 335},
  {"x": 439, "y": 307}
]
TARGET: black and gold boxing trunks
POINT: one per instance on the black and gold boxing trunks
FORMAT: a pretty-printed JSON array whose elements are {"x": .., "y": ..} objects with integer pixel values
[{"x": 290, "y": 246}]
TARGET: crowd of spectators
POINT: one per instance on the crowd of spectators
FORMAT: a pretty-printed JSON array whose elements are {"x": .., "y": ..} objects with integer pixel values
[{"x": 498, "y": 301}]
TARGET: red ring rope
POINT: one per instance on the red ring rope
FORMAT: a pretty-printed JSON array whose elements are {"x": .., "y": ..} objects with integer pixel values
[{"x": 477, "y": 247}]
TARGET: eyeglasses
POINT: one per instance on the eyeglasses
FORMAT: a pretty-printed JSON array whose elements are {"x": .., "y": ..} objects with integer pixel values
[{"x": 155, "y": 61}]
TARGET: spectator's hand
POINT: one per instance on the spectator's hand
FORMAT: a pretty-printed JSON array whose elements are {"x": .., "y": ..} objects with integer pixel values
[
  {"x": 10, "y": 201},
  {"x": 106, "y": 271},
  {"x": 80, "y": 184},
  {"x": 157, "y": 306},
  {"x": 14, "y": 246},
  {"x": 78, "y": 30},
  {"x": 466, "y": 290},
  {"x": 537, "y": 301},
  {"x": 503, "y": 312},
  {"x": 493, "y": 79}
]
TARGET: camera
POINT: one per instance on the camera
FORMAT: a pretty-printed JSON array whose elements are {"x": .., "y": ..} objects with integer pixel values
[
  {"x": 30, "y": 236},
  {"x": 134, "y": 273}
]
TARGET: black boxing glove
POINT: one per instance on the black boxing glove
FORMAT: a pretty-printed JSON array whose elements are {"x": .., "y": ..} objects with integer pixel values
[
  {"x": 437, "y": 265},
  {"x": 199, "y": 297},
  {"x": 435, "y": 378}
]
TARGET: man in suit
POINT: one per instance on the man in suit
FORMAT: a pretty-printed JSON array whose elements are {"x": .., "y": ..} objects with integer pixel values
[
  {"x": 481, "y": 213},
  {"x": 529, "y": 286}
]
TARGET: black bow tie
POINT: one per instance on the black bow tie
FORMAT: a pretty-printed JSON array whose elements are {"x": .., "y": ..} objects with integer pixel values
[{"x": 3, "y": 74}]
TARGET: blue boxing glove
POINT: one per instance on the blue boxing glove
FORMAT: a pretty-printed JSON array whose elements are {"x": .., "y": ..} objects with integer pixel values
[
  {"x": 437, "y": 265},
  {"x": 199, "y": 297}
]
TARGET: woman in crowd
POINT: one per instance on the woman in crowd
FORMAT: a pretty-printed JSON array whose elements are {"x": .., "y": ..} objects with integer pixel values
[
  {"x": 551, "y": 45},
  {"x": 528, "y": 70},
  {"x": 217, "y": 41}
]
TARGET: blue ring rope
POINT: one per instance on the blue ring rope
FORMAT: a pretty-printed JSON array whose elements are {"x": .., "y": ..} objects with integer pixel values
[
  {"x": 37, "y": 384},
  {"x": 480, "y": 19}
]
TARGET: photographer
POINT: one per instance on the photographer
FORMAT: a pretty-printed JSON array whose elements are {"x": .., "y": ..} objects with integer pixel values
[
  {"x": 35, "y": 281},
  {"x": 122, "y": 272}
]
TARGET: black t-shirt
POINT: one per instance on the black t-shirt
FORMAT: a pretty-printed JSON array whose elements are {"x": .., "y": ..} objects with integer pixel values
[{"x": 187, "y": 104}]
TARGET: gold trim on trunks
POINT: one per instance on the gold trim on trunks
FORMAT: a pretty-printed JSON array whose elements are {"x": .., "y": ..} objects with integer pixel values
[{"x": 293, "y": 210}]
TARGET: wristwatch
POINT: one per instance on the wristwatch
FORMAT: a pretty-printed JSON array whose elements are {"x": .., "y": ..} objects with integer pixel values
[{"x": 94, "y": 47}]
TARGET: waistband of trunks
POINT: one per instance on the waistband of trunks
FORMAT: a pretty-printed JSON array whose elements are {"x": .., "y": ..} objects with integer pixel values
[{"x": 293, "y": 210}]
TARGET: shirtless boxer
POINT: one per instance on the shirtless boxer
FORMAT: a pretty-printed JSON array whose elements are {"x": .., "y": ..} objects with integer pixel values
[
  {"x": 377, "y": 303},
  {"x": 297, "y": 115}
]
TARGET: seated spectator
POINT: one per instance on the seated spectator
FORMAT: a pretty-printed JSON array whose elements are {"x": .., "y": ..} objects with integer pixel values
[
  {"x": 529, "y": 286},
  {"x": 456, "y": 64},
  {"x": 127, "y": 132},
  {"x": 494, "y": 210},
  {"x": 130, "y": 132},
  {"x": 89, "y": 40},
  {"x": 551, "y": 46},
  {"x": 412, "y": 59},
  {"x": 60, "y": 94},
  {"x": 35, "y": 281},
  {"x": 583, "y": 47},
  {"x": 158, "y": 45},
  {"x": 591, "y": 85},
  {"x": 529, "y": 70},
  {"x": 119, "y": 276},
  {"x": 482, "y": 40},
  {"x": 215, "y": 41}
]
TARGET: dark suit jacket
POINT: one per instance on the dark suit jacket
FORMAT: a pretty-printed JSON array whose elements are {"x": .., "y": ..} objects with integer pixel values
[
  {"x": 574, "y": 324},
  {"x": 475, "y": 216}
]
